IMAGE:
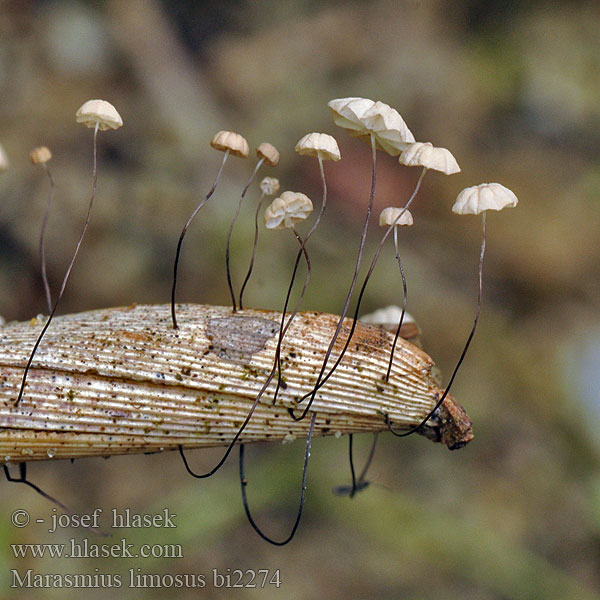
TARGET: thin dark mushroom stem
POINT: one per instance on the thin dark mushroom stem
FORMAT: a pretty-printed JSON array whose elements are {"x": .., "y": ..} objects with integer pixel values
[
  {"x": 23, "y": 479},
  {"x": 254, "y": 246},
  {"x": 361, "y": 483},
  {"x": 43, "y": 237},
  {"x": 263, "y": 389},
  {"x": 322, "y": 380},
  {"x": 230, "y": 232},
  {"x": 404, "y": 303},
  {"x": 463, "y": 354},
  {"x": 283, "y": 328},
  {"x": 183, "y": 232},
  {"x": 244, "y": 484},
  {"x": 294, "y": 272},
  {"x": 70, "y": 267},
  {"x": 338, "y": 329}
]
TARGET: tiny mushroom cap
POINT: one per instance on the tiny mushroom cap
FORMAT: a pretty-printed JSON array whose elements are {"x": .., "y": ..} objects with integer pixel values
[
  {"x": 387, "y": 317},
  {"x": 389, "y": 216},
  {"x": 40, "y": 155},
  {"x": 287, "y": 210},
  {"x": 363, "y": 117},
  {"x": 269, "y": 153},
  {"x": 229, "y": 140},
  {"x": 425, "y": 154},
  {"x": 269, "y": 186},
  {"x": 318, "y": 144},
  {"x": 485, "y": 196},
  {"x": 99, "y": 112},
  {"x": 3, "y": 160}
]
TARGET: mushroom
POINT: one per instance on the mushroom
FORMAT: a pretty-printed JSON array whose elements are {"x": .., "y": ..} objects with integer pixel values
[
  {"x": 41, "y": 156},
  {"x": 287, "y": 210},
  {"x": 323, "y": 147},
  {"x": 367, "y": 119},
  {"x": 99, "y": 115},
  {"x": 228, "y": 142},
  {"x": 385, "y": 129},
  {"x": 267, "y": 153},
  {"x": 269, "y": 186},
  {"x": 474, "y": 200},
  {"x": 392, "y": 218}
]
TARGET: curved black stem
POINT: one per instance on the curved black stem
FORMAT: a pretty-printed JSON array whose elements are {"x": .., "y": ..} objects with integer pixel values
[
  {"x": 323, "y": 380},
  {"x": 360, "y": 483},
  {"x": 43, "y": 237},
  {"x": 244, "y": 483},
  {"x": 464, "y": 352},
  {"x": 404, "y": 302},
  {"x": 294, "y": 272},
  {"x": 263, "y": 389},
  {"x": 23, "y": 479},
  {"x": 254, "y": 246},
  {"x": 231, "y": 226},
  {"x": 338, "y": 329},
  {"x": 66, "y": 277},
  {"x": 183, "y": 232},
  {"x": 282, "y": 329}
]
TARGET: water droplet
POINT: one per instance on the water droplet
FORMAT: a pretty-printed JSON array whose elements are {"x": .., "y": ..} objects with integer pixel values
[
  {"x": 338, "y": 434},
  {"x": 288, "y": 439},
  {"x": 51, "y": 452},
  {"x": 27, "y": 451},
  {"x": 7, "y": 457}
]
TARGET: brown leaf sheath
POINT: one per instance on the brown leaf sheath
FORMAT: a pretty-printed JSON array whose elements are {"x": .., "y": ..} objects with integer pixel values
[{"x": 121, "y": 380}]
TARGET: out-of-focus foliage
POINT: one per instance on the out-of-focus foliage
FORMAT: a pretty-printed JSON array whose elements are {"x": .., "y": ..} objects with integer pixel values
[{"x": 513, "y": 89}]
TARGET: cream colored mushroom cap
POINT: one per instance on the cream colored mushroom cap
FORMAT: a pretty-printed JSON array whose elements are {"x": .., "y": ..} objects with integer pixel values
[
  {"x": 99, "y": 112},
  {"x": 269, "y": 186},
  {"x": 3, "y": 160},
  {"x": 348, "y": 112},
  {"x": 269, "y": 153},
  {"x": 40, "y": 155},
  {"x": 315, "y": 144},
  {"x": 287, "y": 210},
  {"x": 389, "y": 216},
  {"x": 485, "y": 196},
  {"x": 232, "y": 142},
  {"x": 425, "y": 154},
  {"x": 387, "y": 317},
  {"x": 391, "y": 132},
  {"x": 363, "y": 117}
]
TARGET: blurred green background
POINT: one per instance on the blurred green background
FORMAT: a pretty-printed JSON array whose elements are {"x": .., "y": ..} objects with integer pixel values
[{"x": 513, "y": 90}]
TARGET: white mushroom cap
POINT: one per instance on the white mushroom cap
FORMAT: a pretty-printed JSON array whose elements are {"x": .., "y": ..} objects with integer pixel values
[
  {"x": 387, "y": 317},
  {"x": 99, "y": 112},
  {"x": 485, "y": 196},
  {"x": 425, "y": 154},
  {"x": 229, "y": 140},
  {"x": 269, "y": 186},
  {"x": 389, "y": 216},
  {"x": 348, "y": 112},
  {"x": 40, "y": 155},
  {"x": 315, "y": 144},
  {"x": 269, "y": 153},
  {"x": 361, "y": 117},
  {"x": 287, "y": 210},
  {"x": 3, "y": 160}
]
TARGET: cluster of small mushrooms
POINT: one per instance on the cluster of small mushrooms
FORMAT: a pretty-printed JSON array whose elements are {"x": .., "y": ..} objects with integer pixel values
[{"x": 383, "y": 129}]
